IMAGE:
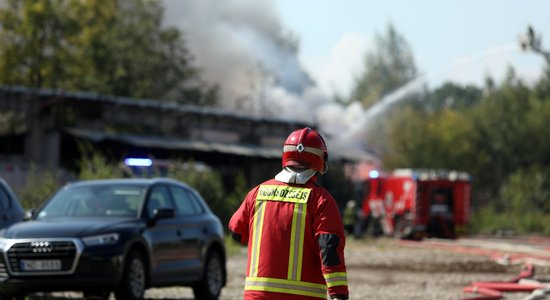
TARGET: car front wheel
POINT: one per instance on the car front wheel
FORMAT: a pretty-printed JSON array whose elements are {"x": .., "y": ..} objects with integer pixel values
[
  {"x": 133, "y": 283},
  {"x": 210, "y": 286}
]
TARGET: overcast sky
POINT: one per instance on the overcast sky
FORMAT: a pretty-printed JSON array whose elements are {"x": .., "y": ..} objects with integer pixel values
[{"x": 459, "y": 40}]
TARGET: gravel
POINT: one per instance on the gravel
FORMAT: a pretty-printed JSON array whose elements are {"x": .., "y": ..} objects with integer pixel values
[{"x": 378, "y": 269}]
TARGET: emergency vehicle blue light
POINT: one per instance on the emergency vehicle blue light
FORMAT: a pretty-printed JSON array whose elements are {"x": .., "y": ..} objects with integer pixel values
[
  {"x": 138, "y": 162},
  {"x": 374, "y": 174}
]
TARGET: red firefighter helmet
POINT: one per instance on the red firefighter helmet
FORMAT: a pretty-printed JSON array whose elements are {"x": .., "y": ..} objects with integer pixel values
[{"x": 305, "y": 148}]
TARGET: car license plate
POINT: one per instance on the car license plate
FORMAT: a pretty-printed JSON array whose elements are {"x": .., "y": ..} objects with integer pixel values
[{"x": 40, "y": 265}]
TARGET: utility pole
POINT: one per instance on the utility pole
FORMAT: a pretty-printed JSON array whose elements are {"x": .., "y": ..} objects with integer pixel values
[{"x": 531, "y": 41}]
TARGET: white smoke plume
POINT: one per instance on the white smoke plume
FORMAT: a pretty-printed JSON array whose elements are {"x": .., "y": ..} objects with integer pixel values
[{"x": 240, "y": 45}]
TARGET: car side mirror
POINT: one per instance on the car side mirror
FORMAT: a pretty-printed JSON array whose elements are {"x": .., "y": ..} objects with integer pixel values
[
  {"x": 163, "y": 213},
  {"x": 29, "y": 214}
]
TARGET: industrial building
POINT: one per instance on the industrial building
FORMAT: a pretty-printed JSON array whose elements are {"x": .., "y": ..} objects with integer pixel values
[{"x": 48, "y": 128}]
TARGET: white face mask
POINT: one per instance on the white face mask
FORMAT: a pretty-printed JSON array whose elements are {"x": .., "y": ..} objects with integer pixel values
[{"x": 295, "y": 175}]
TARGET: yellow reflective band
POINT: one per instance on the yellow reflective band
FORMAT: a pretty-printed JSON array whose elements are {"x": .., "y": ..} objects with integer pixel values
[
  {"x": 256, "y": 237},
  {"x": 297, "y": 242},
  {"x": 286, "y": 286},
  {"x": 302, "y": 233},
  {"x": 336, "y": 279},
  {"x": 337, "y": 283},
  {"x": 335, "y": 274},
  {"x": 285, "y": 291},
  {"x": 283, "y": 193},
  {"x": 292, "y": 256},
  {"x": 285, "y": 281}
]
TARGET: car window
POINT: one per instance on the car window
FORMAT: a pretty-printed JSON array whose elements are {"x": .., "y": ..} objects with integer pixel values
[
  {"x": 121, "y": 201},
  {"x": 199, "y": 202},
  {"x": 4, "y": 199},
  {"x": 95, "y": 201},
  {"x": 185, "y": 204},
  {"x": 159, "y": 198}
]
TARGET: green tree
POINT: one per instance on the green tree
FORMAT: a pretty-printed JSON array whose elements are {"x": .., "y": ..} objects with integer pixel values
[
  {"x": 115, "y": 47},
  {"x": 223, "y": 201},
  {"x": 525, "y": 191},
  {"x": 96, "y": 166},
  {"x": 542, "y": 87},
  {"x": 387, "y": 67},
  {"x": 441, "y": 140},
  {"x": 32, "y": 37},
  {"x": 510, "y": 132},
  {"x": 522, "y": 204},
  {"x": 40, "y": 185},
  {"x": 452, "y": 95}
]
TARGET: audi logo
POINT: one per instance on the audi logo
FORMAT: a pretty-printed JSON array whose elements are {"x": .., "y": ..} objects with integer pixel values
[{"x": 41, "y": 247}]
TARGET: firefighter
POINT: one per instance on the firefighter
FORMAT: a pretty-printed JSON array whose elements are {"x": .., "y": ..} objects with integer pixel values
[
  {"x": 440, "y": 223},
  {"x": 350, "y": 217},
  {"x": 293, "y": 229}
]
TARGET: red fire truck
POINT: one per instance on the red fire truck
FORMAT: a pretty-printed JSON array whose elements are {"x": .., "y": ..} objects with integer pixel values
[{"x": 414, "y": 204}]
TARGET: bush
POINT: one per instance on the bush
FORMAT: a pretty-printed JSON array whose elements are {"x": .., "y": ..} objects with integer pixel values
[
  {"x": 223, "y": 201},
  {"x": 94, "y": 165},
  {"x": 523, "y": 205},
  {"x": 41, "y": 184}
]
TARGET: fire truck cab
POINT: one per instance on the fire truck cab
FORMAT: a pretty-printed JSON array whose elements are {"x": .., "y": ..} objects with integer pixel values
[{"x": 413, "y": 204}]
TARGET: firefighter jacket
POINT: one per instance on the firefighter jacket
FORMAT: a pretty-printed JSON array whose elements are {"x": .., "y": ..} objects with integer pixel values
[{"x": 295, "y": 242}]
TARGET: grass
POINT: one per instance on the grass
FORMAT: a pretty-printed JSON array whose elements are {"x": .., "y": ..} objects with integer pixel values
[{"x": 232, "y": 247}]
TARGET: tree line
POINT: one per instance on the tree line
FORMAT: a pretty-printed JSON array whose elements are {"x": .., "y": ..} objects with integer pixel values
[
  {"x": 108, "y": 47},
  {"x": 496, "y": 132}
]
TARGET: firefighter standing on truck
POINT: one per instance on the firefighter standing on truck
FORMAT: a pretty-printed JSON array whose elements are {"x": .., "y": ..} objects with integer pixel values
[{"x": 293, "y": 229}]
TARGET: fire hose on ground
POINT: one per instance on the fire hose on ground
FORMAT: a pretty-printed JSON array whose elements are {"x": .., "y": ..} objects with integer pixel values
[
  {"x": 493, "y": 290},
  {"x": 489, "y": 290}
]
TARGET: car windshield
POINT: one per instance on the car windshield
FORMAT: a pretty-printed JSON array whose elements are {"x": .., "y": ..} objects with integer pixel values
[{"x": 103, "y": 200}]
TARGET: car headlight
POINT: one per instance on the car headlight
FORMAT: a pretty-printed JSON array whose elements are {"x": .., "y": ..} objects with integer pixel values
[
  {"x": 3, "y": 243},
  {"x": 103, "y": 239}
]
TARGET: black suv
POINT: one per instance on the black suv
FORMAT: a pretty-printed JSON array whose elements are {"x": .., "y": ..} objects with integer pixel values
[
  {"x": 10, "y": 209},
  {"x": 121, "y": 235}
]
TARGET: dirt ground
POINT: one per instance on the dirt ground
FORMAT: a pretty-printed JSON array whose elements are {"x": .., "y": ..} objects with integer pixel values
[
  {"x": 381, "y": 269},
  {"x": 386, "y": 269}
]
